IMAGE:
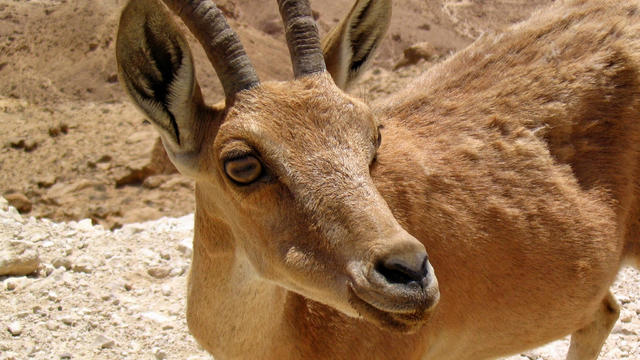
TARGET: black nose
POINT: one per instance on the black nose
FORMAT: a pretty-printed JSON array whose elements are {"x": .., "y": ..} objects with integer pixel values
[{"x": 405, "y": 269}]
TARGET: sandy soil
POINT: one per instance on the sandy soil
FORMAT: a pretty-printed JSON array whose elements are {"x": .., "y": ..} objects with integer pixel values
[
  {"x": 75, "y": 148},
  {"x": 72, "y": 147}
]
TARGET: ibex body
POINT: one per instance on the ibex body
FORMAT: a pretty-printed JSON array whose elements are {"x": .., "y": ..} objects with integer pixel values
[{"x": 514, "y": 164}]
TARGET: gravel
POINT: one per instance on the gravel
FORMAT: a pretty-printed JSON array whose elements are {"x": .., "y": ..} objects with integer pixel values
[
  {"x": 18, "y": 257},
  {"x": 90, "y": 295},
  {"x": 98, "y": 294}
]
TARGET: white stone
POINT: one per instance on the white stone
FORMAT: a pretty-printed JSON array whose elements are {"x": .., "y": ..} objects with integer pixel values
[
  {"x": 85, "y": 225},
  {"x": 103, "y": 342},
  {"x": 10, "y": 355},
  {"x": 14, "y": 215},
  {"x": 38, "y": 236},
  {"x": 68, "y": 320},
  {"x": 186, "y": 246},
  {"x": 83, "y": 264},
  {"x": 623, "y": 299},
  {"x": 46, "y": 270},
  {"x": 18, "y": 258},
  {"x": 11, "y": 284},
  {"x": 154, "y": 316},
  {"x": 62, "y": 262},
  {"x": 177, "y": 271},
  {"x": 4, "y": 204},
  {"x": 147, "y": 253},
  {"x": 159, "y": 353},
  {"x": 159, "y": 272},
  {"x": 15, "y": 328}
]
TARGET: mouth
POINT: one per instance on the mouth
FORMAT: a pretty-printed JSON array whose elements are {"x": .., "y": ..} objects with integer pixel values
[{"x": 407, "y": 319}]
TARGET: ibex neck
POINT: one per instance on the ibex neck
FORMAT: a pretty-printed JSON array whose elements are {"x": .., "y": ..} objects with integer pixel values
[
  {"x": 227, "y": 293},
  {"x": 235, "y": 314}
]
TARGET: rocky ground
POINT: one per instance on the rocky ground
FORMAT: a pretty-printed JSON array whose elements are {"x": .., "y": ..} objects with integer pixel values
[
  {"x": 90, "y": 266},
  {"x": 91, "y": 293}
]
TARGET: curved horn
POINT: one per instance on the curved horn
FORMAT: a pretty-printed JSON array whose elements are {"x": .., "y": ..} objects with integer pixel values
[
  {"x": 221, "y": 44},
  {"x": 302, "y": 37}
]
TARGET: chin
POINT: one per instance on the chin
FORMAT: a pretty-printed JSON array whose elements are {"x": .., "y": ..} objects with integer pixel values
[{"x": 406, "y": 321}]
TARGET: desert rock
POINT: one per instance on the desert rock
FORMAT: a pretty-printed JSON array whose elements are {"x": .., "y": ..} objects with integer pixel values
[
  {"x": 17, "y": 257},
  {"x": 15, "y": 328},
  {"x": 19, "y": 201}
]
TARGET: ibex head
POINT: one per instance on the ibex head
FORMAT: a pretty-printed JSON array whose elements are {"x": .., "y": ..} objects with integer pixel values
[{"x": 282, "y": 170}]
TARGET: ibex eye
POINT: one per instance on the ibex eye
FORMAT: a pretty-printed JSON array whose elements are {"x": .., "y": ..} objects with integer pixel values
[{"x": 243, "y": 170}]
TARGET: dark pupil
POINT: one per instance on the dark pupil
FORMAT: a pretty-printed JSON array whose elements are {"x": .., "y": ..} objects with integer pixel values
[{"x": 244, "y": 169}]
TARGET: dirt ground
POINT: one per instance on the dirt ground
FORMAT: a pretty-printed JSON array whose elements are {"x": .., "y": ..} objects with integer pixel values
[
  {"x": 73, "y": 147},
  {"x": 100, "y": 294}
]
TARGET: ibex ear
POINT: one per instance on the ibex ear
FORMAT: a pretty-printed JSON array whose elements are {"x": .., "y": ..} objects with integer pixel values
[
  {"x": 350, "y": 46},
  {"x": 157, "y": 71}
]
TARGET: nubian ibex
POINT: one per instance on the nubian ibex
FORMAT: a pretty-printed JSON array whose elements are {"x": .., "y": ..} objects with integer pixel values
[{"x": 515, "y": 164}]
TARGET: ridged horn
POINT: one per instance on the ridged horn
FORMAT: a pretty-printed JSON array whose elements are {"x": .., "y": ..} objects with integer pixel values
[
  {"x": 221, "y": 44},
  {"x": 302, "y": 37}
]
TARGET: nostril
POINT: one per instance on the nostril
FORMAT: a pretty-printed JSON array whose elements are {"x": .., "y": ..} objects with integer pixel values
[{"x": 397, "y": 271}]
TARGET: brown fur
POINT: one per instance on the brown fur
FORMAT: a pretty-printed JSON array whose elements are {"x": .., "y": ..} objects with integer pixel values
[{"x": 515, "y": 164}]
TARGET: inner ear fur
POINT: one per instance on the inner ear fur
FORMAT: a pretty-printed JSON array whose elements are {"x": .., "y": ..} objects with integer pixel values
[
  {"x": 349, "y": 47},
  {"x": 156, "y": 68}
]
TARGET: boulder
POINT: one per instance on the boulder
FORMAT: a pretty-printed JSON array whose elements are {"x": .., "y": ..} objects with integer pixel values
[
  {"x": 19, "y": 201},
  {"x": 18, "y": 258},
  {"x": 416, "y": 52}
]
